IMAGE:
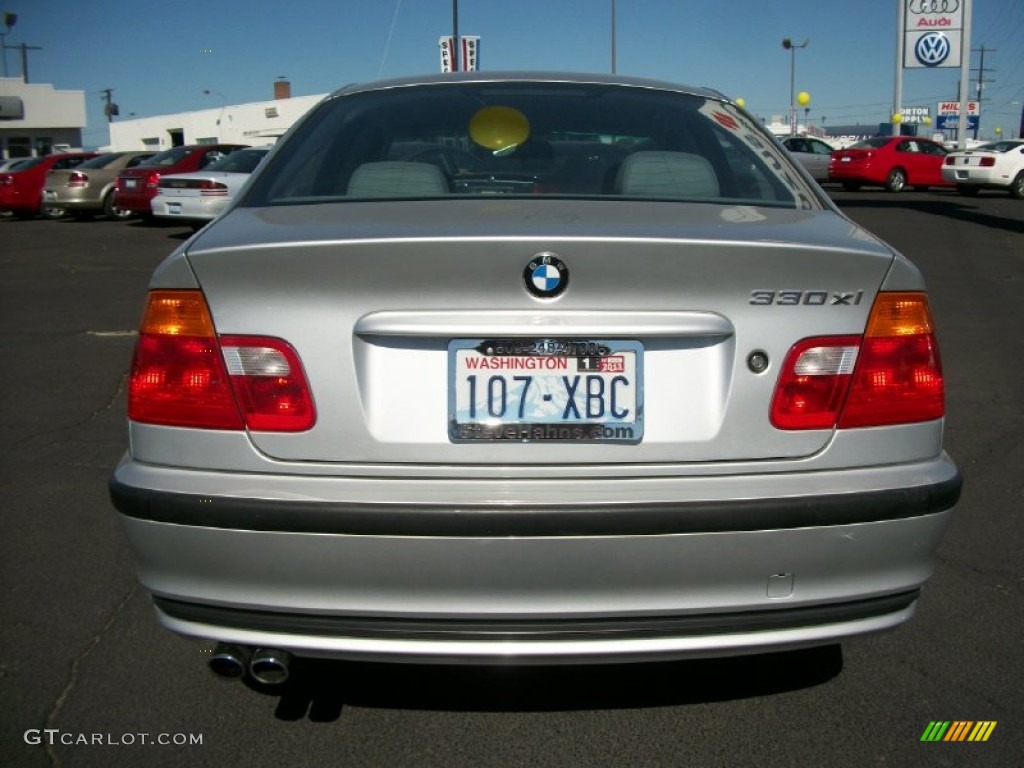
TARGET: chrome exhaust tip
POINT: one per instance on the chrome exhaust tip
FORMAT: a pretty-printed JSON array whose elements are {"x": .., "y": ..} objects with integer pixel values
[
  {"x": 270, "y": 666},
  {"x": 230, "y": 662}
]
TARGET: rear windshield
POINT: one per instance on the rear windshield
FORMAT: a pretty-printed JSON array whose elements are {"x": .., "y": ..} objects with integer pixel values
[
  {"x": 458, "y": 140},
  {"x": 168, "y": 157},
  {"x": 873, "y": 143},
  {"x": 240, "y": 161},
  {"x": 1001, "y": 146},
  {"x": 101, "y": 161},
  {"x": 24, "y": 165}
]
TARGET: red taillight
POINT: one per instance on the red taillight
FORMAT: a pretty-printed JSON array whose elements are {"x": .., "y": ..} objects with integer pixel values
[
  {"x": 891, "y": 375},
  {"x": 152, "y": 180},
  {"x": 814, "y": 382},
  {"x": 77, "y": 179},
  {"x": 213, "y": 188},
  {"x": 987, "y": 162},
  {"x": 269, "y": 384},
  {"x": 183, "y": 375},
  {"x": 950, "y": 160},
  {"x": 6, "y": 179}
]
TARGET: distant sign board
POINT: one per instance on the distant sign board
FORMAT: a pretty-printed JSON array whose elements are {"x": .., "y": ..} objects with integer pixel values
[
  {"x": 952, "y": 122},
  {"x": 913, "y": 115},
  {"x": 949, "y": 115},
  {"x": 953, "y": 108}
]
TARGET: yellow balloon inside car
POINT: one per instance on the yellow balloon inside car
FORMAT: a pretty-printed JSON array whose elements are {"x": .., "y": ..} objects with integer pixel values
[{"x": 499, "y": 127}]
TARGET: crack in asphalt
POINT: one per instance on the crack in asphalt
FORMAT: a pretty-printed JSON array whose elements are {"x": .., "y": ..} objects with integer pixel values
[
  {"x": 92, "y": 416},
  {"x": 69, "y": 686}
]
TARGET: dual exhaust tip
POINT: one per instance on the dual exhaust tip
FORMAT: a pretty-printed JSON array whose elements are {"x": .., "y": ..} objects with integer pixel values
[{"x": 265, "y": 665}]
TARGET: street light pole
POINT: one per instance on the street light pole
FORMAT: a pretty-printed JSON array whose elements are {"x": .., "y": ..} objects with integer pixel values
[
  {"x": 613, "y": 37},
  {"x": 456, "y": 66},
  {"x": 790, "y": 46},
  {"x": 10, "y": 19}
]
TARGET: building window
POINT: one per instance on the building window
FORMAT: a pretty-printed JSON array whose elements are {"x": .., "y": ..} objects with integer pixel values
[
  {"x": 207, "y": 140},
  {"x": 151, "y": 143},
  {"x": 19, "y": 146}
]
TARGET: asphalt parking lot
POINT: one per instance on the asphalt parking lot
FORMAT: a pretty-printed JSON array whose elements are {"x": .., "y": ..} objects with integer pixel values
[{"x": 88, "y": 679}]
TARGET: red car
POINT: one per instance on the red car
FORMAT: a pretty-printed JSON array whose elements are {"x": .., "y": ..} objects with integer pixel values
[
  {"x": 893, "y": 162},
  {"x": 21, "y": 191},
  {"x": 137, "y": 186}
]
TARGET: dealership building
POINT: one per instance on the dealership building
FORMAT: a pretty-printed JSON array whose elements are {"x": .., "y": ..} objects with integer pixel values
[
  {"x": 257, "y": 123},
  {"x": 36, "y": 119}
]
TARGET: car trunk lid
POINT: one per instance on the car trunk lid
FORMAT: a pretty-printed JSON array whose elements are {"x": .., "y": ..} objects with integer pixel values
[{"x": 380, "y": 299}]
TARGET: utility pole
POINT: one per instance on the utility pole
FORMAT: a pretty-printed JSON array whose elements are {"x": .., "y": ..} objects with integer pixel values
[
  {"x": 110, "y": 109},
  {"x": 24, "y": 56},
  {"x": 981, "y": 81}
]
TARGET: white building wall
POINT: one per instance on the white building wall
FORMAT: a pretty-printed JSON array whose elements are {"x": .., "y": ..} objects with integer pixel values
[
  {"x": 257, "y": 123},
  {"x": 53, "y": 120}
]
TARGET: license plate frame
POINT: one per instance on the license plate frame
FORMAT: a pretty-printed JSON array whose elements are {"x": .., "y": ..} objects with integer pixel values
[{"x": 545, "y": 390}]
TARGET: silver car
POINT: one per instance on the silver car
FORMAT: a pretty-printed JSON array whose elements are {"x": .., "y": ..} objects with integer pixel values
[
  {"x": 528, "y": 368},
  {"x": 813, "y": 154}
]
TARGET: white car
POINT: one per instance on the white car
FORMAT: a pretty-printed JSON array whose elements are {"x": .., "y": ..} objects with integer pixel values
[
  {"x": 998, "y": 165},
  {"x": 196, "y": 198}
]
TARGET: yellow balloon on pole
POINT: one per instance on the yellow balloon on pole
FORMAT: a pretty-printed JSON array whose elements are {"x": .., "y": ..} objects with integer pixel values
[
  {"x": 803, "y": 98},
  {"x": 897, "y": 118},
  {"x": 741, "y": 103}
]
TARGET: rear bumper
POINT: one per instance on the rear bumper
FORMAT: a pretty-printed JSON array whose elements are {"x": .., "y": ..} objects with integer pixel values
[
  {"x": 135, "y": 201},
  {"x": 980, "y": 177},
  {"x": 87, "y": 199},
  {"x": 570, "y": 579},
  {"x": 187, "y": 209},
  {"x": 20, "y": 201},
  {"x": 663, "y": 638}
]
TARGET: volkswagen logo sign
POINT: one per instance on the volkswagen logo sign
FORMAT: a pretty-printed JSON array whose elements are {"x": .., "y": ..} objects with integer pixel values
[
  {"x": 546, "y": 276},
  {"x": 932, "y": 49}
]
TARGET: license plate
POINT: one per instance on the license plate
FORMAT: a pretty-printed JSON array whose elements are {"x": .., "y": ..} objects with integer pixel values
[
  {"x": 49, "y": 196},
  {"x": 545, "y": 390},
  {"x": 844, "y": 159},
  {"x": 173, "y": 209},
  {"x": 130, "y": 183}
]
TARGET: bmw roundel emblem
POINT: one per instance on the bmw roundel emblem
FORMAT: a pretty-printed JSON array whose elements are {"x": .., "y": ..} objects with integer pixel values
[{"x": 546, "y": 276}]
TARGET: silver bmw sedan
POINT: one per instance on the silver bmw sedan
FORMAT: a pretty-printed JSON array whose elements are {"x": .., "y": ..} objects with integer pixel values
[{"x": 532, "y": 368}]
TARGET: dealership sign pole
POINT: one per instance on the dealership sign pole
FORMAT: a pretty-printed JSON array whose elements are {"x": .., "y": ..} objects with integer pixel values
[{"x": 936, "y": 34}]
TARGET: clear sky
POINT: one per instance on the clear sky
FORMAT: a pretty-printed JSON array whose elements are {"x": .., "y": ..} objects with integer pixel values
[{"x": 159, "y": 57}]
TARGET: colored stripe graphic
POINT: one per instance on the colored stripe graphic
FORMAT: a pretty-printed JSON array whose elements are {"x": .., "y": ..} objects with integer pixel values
[
  {"x": 958, "y": 730},
  {"x": 935, "y": 731},
  {"x": 982, "y": 730}
]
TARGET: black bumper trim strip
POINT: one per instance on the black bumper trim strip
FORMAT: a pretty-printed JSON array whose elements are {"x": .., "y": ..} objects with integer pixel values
[
  {"x": 530, "y": 630},
  {"x": 613, "y": 519}
]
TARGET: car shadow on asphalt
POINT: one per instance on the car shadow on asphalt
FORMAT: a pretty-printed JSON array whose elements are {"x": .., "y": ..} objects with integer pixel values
[
  {"x": 952, "y": 208},
  {"x": 320, "y": 690}
]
